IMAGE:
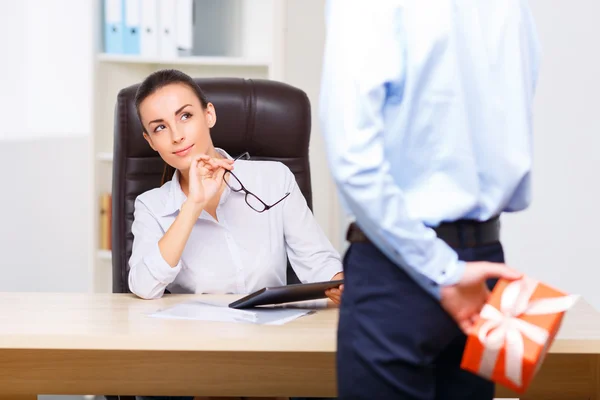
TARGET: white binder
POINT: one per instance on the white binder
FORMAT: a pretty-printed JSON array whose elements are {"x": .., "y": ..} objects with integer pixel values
[
  {"x": 167, "y": 35},
  {"x": 149, "y": 35},
  {"x": 184, "y": 20}
]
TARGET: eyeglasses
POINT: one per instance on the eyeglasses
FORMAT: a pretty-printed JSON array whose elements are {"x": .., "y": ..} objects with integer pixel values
[{"x": 252, "y": 200}]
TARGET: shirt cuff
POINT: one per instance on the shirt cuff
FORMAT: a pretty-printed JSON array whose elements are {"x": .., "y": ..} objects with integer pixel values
[
  {"x": 444, "y": 268},
  {"x": 457, "y": 270},
  {"x": 327, "y": 273},
  {"x": 159, "y": 268}
]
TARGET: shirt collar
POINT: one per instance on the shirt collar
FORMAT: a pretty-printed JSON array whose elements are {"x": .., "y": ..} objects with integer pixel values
[
  {"x": 223, "y": 153},
  {"x": 176, "y": 197}
]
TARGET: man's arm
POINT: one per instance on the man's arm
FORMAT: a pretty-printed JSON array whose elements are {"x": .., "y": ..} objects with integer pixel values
[{"x": 364, "y": 63}]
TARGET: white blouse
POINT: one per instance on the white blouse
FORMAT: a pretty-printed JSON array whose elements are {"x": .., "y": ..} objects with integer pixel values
[{"x": 244, "y": 250}]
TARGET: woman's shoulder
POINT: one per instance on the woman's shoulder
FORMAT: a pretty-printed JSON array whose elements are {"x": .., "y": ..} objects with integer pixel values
[
  {"x": 155, "y": 199},
  {"x": 274, "y": 170}
]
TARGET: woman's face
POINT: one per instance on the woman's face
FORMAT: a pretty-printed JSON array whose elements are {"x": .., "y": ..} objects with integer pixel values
[{"x": 177, "y": 125}]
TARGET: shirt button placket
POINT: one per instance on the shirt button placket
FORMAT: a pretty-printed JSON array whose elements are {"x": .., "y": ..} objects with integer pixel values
[{"x": 240, "y": 278}]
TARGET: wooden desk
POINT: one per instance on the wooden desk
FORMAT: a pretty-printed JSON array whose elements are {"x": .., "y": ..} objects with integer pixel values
[{"x": 106, "y": 344}]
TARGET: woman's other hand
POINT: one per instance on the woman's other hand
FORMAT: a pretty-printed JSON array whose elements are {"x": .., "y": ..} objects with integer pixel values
[{"x": 335, "y": 294}]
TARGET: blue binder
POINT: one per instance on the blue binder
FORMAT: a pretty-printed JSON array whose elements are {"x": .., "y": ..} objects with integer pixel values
[
  {"x": 132, "y": 25},
  {"x": 113, "y": 26}
]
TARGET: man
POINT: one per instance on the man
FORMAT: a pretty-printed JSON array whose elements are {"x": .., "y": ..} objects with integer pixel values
[{"x": 426, "y": 110}]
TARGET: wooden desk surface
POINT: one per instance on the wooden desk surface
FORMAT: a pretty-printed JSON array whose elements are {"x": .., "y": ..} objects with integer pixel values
[
  {"x": 107, "y": 344},
  {"x": 121, "y": 322}
]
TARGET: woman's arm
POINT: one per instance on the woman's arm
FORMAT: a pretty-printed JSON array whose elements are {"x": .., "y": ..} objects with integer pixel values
[
  {"x": 156, "y": 256},
  {"x": 171, "y": 245},
  {"x": 309, "y": 250}
]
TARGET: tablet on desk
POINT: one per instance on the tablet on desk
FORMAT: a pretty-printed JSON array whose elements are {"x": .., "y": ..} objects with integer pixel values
[{"x": 286, "y": 294}]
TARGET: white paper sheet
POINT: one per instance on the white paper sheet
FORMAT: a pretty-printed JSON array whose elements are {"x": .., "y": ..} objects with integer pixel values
[{"x": 213, "y": 311}]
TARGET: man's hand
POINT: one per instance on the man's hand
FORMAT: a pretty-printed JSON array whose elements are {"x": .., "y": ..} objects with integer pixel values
[
  {"x": 336, "y": 294},
  {"x": 465, "y": 300}
]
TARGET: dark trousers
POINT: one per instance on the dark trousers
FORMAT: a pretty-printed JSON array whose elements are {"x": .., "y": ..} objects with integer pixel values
[{"x": 394, "y": 339}]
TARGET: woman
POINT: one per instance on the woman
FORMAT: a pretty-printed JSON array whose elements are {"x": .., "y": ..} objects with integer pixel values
[
  {"x": 200, "y": 232},
  {"x": 219, "y": 225}
]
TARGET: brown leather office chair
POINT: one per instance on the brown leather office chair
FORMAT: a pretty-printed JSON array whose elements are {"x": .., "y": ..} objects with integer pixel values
[{"x": 270, "y": 120}]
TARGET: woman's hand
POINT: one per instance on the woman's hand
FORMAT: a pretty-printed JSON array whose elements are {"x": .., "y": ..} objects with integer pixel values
[
  {"x": 335, "y": 295},
  {"x": 206, "y": 178}
]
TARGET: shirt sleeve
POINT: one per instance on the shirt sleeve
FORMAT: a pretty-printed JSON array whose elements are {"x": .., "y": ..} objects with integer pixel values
[
  {"x": 149, "y": 273},
  {"x": 310, "y": 252},
  {"x": 534, "y": 46},
  {"x": 364, "y": 64}
]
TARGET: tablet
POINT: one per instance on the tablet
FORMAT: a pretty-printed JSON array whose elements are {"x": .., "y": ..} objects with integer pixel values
[{"x": 286, "y": 294}]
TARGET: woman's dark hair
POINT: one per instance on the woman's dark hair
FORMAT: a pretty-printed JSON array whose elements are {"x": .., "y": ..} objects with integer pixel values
[
  {"x": 162, "y": 78},
  {"x": 158, "y": 80}
]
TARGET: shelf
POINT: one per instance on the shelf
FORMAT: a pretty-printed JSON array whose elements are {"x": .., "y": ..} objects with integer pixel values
[
  {"x": 104, "y": 156},
  {"x": 105, "y": 254},
  {"x": 248, "y": 41},
  {"x": 208, "y": 60}
]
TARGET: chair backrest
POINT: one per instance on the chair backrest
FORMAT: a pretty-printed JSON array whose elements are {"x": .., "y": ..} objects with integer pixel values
[{"x": 270, "y": 120}]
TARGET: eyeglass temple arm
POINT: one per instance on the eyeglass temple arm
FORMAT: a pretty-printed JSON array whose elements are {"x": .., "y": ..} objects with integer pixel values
[
  {"x": 280, "y": 200},
  {"x": 244, "y": 155}
]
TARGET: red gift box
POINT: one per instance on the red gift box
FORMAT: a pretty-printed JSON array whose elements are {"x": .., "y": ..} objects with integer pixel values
[{"x": 517, "y": 326}]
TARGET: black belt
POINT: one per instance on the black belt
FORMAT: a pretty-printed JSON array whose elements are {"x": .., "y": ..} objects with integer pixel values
[{"x": 461, "y": 233}]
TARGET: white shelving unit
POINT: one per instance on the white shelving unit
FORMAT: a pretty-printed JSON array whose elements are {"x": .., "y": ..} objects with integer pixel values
[
  {"x": 206, "y": 61},
  {"x": 104, "y": 255},
  {"x": 260, "y": 40}
]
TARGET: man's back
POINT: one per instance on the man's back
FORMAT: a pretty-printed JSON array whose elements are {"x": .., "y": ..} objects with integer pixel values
[{"x": 459, "y": 78}]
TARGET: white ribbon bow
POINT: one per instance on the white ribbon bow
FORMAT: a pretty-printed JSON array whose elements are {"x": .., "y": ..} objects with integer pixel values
[{"x": 503, "y": 327}]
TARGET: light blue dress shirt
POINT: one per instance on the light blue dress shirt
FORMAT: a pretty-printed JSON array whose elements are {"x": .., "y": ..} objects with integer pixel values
[{"x": 426, "y": 111}]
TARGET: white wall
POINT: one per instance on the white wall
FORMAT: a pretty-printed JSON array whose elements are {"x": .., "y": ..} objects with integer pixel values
[
  {"x": 304, "y": 43},
  {"x": 45, "y": 105},
  {"x": 46, "y": 61},
  {"x": 556, "y": 240}
]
